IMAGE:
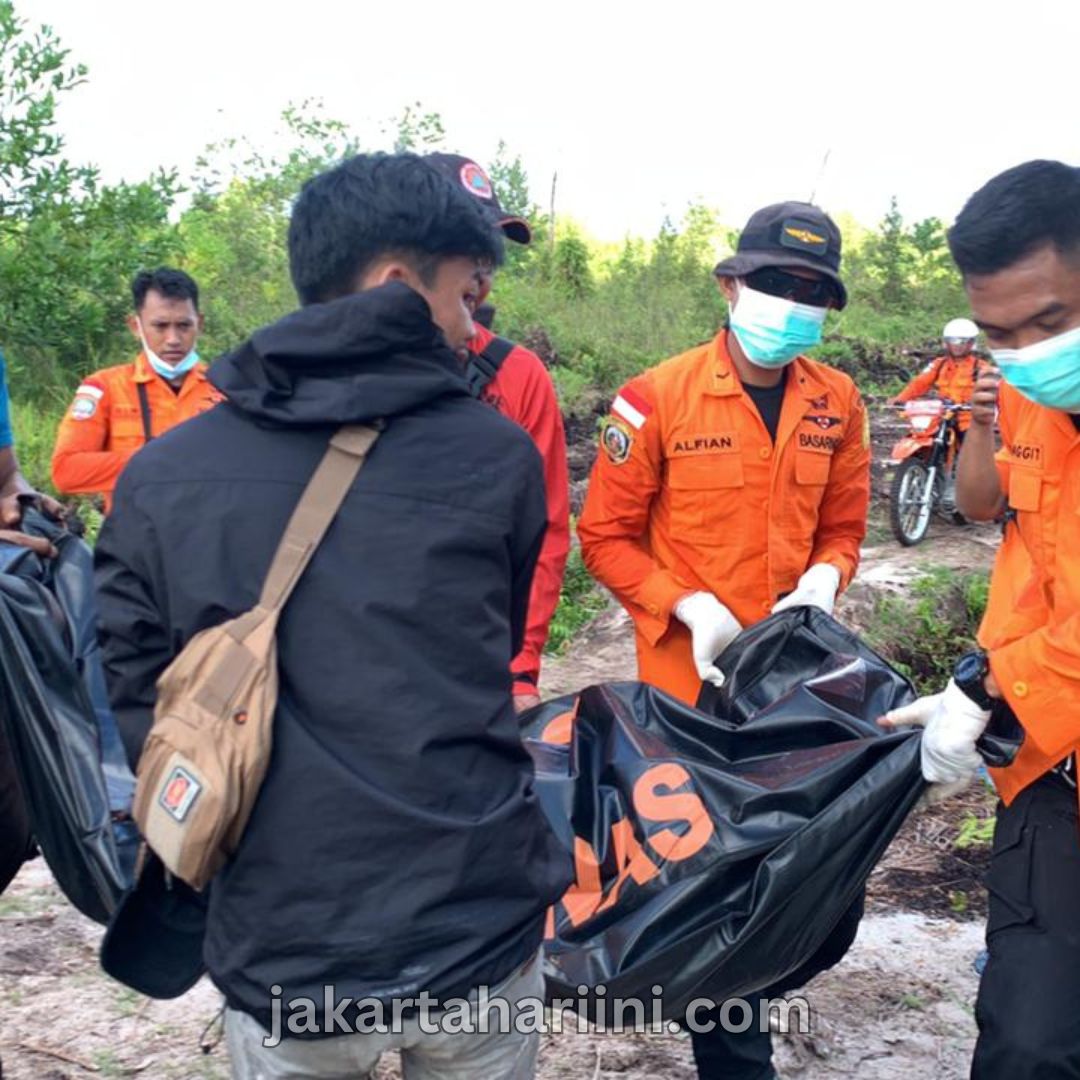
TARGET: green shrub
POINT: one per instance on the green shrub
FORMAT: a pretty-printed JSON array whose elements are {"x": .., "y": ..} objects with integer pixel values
[
  {"x": 923, "y": 631},
  {"x": 580, "y": 601}
]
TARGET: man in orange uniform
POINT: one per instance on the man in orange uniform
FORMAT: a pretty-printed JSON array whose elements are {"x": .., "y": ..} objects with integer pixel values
[
  {"x": 735, "y": 476},
  {"x": 733, "y": 481},
  {"x": 116, "y": 411},
  {"x": 952, "y": 375},
  {"x": 513, "y": 380},
  {"x": 1017, "y": 244}
]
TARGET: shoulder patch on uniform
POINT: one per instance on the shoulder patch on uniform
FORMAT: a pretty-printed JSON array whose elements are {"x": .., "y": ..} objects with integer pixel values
[
  {"x": 91, "y": 389},
  {"x": 84, "y": 406},
  {"x": 617, "y": 440},
  {"x": 631, "y": 407}
]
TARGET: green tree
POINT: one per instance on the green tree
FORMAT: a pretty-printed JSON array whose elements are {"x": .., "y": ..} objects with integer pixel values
[
  {"x": 571, "y": 269},
  {"x": 68, "y": 244},
  {"x": 34, "y": 71},
  {"x": 417, "y": 130},
  {"x": 234, "y": 234},
  {"x": 511, "y": 183},
  {"x": 890, "y": 260}
]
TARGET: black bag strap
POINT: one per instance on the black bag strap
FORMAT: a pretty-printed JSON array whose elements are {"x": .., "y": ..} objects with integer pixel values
[
  {"x": 483, "y": 367},
  {"x": 144, "y": 408}
]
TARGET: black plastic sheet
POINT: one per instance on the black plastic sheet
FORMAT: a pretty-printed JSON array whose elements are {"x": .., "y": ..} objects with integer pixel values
[
  {"x": 53, "y": 711},
  {"x": 716, "y": 849}
]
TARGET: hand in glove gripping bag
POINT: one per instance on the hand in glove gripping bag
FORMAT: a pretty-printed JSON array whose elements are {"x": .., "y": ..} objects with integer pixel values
[
  {"x": 712, "y": 628},
  {"x": 952, "y": 723},
  {"x": 817, "y": 587}
]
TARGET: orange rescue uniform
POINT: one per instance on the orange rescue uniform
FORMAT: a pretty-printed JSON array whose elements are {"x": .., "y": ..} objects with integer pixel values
[
  {"x": 689, "y": 493},
  {"x": 103, "y": 427},
  {"x": 953, "y": 378},
  {"x": 1032, "y": 626}
]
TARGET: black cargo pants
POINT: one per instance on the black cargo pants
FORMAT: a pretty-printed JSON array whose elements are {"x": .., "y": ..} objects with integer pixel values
[{"x": 1028, "y": 1009}]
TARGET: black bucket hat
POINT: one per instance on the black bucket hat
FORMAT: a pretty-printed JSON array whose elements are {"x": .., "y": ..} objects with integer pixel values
[{"x": 784, "y": 235}]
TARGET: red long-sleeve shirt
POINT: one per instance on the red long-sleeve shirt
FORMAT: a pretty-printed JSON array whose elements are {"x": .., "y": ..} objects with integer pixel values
[{"x": 522, "y": 390}]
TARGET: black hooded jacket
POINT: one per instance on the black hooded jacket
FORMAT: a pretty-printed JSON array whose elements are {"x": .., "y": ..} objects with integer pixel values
[{"x": 396, "y": 844}]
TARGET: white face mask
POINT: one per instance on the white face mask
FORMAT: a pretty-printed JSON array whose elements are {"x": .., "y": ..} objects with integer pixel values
[
  {"x": 771, "y": 330},
  {"x": 164, "y": 369}
]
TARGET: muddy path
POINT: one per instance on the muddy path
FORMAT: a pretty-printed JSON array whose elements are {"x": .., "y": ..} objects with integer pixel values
[{"x": 900, "y": 1006}]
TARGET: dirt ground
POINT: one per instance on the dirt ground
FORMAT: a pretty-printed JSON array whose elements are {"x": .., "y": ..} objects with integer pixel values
[{"x": 899, "y": 1006}]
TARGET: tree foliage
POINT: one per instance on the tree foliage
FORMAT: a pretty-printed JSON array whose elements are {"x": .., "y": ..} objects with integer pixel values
[{"x": 69, "y": 245}]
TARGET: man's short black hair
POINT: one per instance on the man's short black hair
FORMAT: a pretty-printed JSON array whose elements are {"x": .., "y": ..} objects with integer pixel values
[
  {"x": 380, "y": 204},
  {"x": 1020, "y": 210},
  {"x": 174, "y": 284}
]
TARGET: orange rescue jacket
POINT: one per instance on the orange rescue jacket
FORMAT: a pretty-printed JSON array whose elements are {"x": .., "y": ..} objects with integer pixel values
[
  {"x": 1032, "y": 625},
  {"x": 104, "y": 425},
  {"x": 689, "y": 493},
  {"x": 523, "y": 391},
  {"x": 953, "y": 378}
]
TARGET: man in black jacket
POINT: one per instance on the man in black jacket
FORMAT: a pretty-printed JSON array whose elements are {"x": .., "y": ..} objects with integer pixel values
[{"x": 396, "y": 846}]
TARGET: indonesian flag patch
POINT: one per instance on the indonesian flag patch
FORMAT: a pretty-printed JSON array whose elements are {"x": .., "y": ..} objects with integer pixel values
[{"x": 631, "y": 407}]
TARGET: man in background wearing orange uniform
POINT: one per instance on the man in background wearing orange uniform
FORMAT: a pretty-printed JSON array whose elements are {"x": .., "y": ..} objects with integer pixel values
[
  {"x": 514, "y": 380},
  {"x": 952, "y": 375},
  {"x": 118, "y": 410}
]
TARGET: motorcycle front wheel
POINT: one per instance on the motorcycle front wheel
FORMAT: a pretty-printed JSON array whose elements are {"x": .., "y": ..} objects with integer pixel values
[{"x": 911, "y": 502}]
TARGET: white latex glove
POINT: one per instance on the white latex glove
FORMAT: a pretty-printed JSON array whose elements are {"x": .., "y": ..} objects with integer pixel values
[
  {"x": 817, "y": 587},
  {"x": 952, "y": 723},
  {"x": 712, "y": 627}
]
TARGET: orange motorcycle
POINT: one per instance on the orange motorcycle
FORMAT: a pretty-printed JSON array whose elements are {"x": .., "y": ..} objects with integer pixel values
[{"x": 925, "y": 479}]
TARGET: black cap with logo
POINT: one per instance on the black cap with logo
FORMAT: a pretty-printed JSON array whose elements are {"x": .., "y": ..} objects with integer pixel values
[
  {"x": 465, "y": 171},
  {"x": 784, "y": 235}
]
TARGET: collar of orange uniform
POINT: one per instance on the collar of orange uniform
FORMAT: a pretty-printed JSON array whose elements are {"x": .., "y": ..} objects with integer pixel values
[
  {"x": 725, "y": 381},
  {"x": 144, "y": 373}
]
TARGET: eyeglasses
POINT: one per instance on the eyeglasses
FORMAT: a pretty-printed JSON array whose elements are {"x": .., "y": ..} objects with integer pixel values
[{"x": 817, "y": 292}]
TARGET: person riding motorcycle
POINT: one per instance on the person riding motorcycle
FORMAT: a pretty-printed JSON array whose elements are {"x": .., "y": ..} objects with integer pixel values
[{"x": 953, "y": 374}]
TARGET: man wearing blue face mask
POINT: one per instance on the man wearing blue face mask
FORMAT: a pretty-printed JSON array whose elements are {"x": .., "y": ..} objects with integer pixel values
[
  {"x": 118, "y": 410},
  {"x": 733, "y": 481},
  {"x": 1017, "y": 244}
]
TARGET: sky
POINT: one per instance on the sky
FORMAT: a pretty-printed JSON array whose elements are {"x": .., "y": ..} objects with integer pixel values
[{"x": 640, "y": 109}]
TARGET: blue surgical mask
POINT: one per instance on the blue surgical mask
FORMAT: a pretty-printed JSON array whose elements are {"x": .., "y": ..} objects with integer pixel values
[
  {"x": 1047, "y": 372},
  {"x": 168, "y": 371},
  {"x": 773, "y": 331}
]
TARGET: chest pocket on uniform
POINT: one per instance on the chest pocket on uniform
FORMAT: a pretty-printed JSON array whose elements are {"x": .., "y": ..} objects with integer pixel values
[
  {"x": 125, "y": 427},
  {"x": 1025, "y": 489},
  {"x": 812, "y": 467},
  {"x": 706, "y": 492}
]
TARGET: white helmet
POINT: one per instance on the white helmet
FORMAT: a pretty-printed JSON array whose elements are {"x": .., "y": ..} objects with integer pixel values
[{"x": 963, "y": 329}]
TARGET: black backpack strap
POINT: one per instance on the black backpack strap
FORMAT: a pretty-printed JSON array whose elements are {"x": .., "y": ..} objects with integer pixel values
[
  {"x": 483, "y": 367},
  {"x": 144, "y": 408}
]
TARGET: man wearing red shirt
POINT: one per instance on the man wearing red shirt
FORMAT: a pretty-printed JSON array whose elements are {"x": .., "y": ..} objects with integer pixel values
[{"x": 514, "y": 380}]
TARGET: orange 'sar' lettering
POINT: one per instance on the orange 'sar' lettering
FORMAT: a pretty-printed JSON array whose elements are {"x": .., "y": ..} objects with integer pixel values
[
  {"x": 583, "y": 897},
  {"x": 631, "y": 859},
  {"x": 673, "y": 805}
]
